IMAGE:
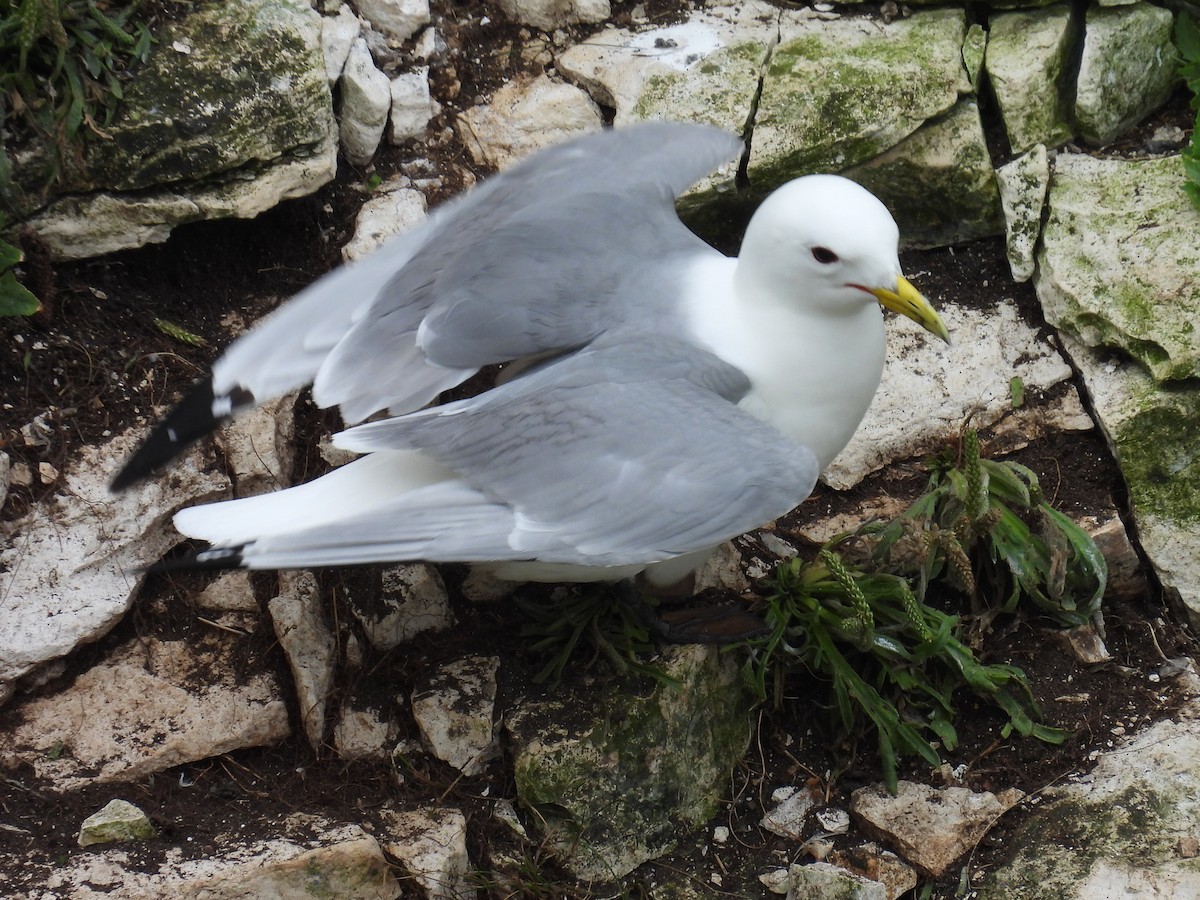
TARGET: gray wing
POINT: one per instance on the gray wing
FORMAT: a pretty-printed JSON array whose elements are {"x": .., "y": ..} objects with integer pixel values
[
  {"x": 545, "y": 256},
  {"x": 625, "y": 453},
  {"x": 576, "y": 240}
]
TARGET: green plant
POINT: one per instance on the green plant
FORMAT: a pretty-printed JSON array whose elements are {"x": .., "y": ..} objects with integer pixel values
[
  {"x": 604, "y": 620},
  {"x": 1187, "y": 39},
  {"x": 64, "y": 64},
  {"x": 893, "y": 659},
  {"x": 964, "y": 530},
  {"x": 15, "y": 298}
]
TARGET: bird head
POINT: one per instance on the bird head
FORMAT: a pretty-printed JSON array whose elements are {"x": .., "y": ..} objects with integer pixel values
[{"x": 839, "y": 242}]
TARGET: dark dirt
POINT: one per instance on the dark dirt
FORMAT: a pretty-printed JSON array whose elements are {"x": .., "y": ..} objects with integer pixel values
[{"x": 94, "y": 363}]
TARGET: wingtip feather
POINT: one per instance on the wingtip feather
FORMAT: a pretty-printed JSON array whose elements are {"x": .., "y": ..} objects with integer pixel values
[{"x": 192, "y": 419}]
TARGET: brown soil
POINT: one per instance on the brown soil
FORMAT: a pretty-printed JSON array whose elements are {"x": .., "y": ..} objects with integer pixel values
[{"x": 94, "y": 363}]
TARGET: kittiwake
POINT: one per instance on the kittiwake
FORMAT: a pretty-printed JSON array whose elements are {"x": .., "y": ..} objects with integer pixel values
[{"x": 668, "y": 397}]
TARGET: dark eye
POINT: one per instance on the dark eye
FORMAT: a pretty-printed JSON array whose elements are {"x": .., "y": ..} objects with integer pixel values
[{"x": 824, "y": 255}]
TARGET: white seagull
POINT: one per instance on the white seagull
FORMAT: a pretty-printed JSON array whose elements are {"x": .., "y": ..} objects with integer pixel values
[{"x": 668, "y": 397}]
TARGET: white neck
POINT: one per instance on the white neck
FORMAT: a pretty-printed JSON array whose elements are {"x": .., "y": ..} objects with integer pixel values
[{"x": 818, "y": 398}]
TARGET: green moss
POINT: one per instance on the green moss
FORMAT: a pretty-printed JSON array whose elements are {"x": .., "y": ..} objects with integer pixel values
[
  {"x": 820, "y": 89},
  {"x": 613, "y": 789},
  {"x": 1160, "y": 459}
]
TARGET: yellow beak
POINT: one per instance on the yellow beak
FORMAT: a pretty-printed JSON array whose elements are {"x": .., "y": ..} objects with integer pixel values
[{"x": 908, "y": 301}]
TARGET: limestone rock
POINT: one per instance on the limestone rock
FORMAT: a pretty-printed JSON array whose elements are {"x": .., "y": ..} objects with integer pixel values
[
  {"x": 1118, "y": 260},
  {"x": 551, "y": 14},
  {"x": 973, "y": 51},
  {"x": 366, "y": 101},
  {"x": 381, "y": 218},
  {"x": 5, "y": 476},
  {"x": 525, "y": 115},
  {"x": 309, "y": 646},
  {"x": 938, "y": 181},
  {"x": 343, "y": 862},
  {"x": 431, "y": 845},
  {"x": 455, "y": 711},
  {"x": 338, "y": 34},
  {"x": 1127, "y": 69},
  {"x": 838, "y": 93},
  {"x": 71, "y": 564},
  {"x": 1023, "y": 185},
  {"x": 231, "y": 592},
  {"x": 820, "y": 881},
  {"x": 361, "y": 734},
  {"x": 413, "y": 601},
  {"x": 397, "y": 19},
  {"x": 929, "y": 390},
  {"x": 1150, "y": 429},
  {"x": 872, "y": 861},
  {"x": 612, "y": 781},
  {"x": 259, "y": 446},
  {"x": 119, "y": 820},
  {"x": 86, "y": 225},
  {"x": 1130, "y": 815},
  {"x": 1028, "y": 53},
  {"x": 706, "y": 69},
  {"x": 1126, "y": 580},
  {"x": 412, "y": 106},
  {"x": 787, "y": 818},
  {"x": 230, "y": 114},
  {"x": 139, "y": 712},
  {"x": 723, "y": 569},
  {"x": 930, "y": 827}
]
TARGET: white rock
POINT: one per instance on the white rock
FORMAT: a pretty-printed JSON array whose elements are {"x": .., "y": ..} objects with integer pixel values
[
  {"x": 1127, "y": 68},
  {"x": 1027, "y": 54},
  {"x": 429, "y": 45},
  {"x": 723, "y": 569},
  {"x": 397, "y": 19},
  {"x": 309, "y": 646},
  {"x": 71, "y": 565},
  {"x": 706, "y": 69},
  {"x": 525, "y": 115},
  {"x": 380, "y": 219},
  {"x": 551, "y": 14},
  {"x": 1117, "y": 264},
  {"x": 1150, "y": 430},
  {"x": 481, "y": 586},
  {"x": 343, "y": 862},
  {"x": 412, "y": 107},
  {"x": 1023, "y": 185},
  {"x": 930, "y": 389},
  {"x": 231, "y": 592},
  {"x": 431, "y": 845},
  {"x": 787, "y": 818},
  {"x": 366, "y": 100},
  {"x": 5, "y": 476},
  {"x": 930, "y": 827},
  {"x": 119, "y": 820},
  {"x": 361, "y": 734},
  {"x": 455, "y": 711},
  {"x": 86, "y": 225},
  {"x": 872, "y": 861},
  {"x": 140, "y": 712},
  {"x": 1147, "y": 789},
  {"x": 820, "y": 881},
  {"x": 834, "y": 820},
  {"x": 338, "y": 33},
  {"x": 414, "y": 601},
  {"x": 939, "y": 181},
  {"x": 259, "y": 446},
  {"x": 838, "y": 93}
]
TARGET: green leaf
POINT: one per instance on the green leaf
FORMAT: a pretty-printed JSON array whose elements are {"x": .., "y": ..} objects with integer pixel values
[
  {"x": 1016, "y": 391},
  {"x": 15, "y": 298},
  {"x": 1187, "y": 36},
  {"x": 9, "y": 256}
]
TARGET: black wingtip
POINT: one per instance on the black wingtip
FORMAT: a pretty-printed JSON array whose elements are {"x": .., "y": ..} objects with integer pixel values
[
  {"x": 191, "y": 420},
  {"x": 208, "y": 559}
]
